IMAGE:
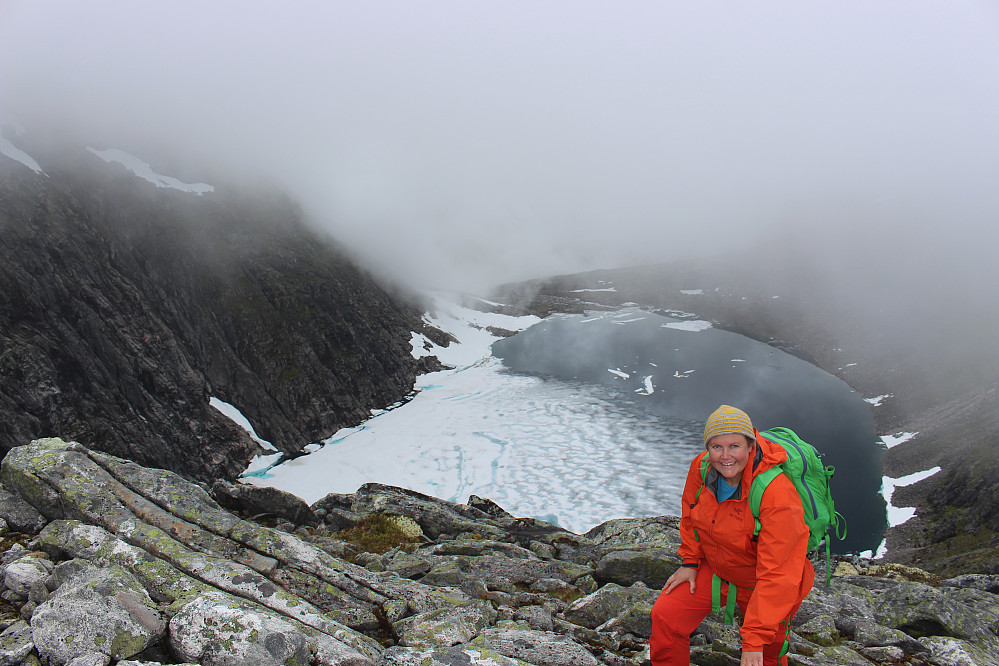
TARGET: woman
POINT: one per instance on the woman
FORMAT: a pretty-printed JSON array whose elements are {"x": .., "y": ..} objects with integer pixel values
[{"x": 771, "y": 572}]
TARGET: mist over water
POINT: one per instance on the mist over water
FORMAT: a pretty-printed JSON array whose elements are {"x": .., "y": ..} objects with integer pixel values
[{"x": 677, "y": 372}]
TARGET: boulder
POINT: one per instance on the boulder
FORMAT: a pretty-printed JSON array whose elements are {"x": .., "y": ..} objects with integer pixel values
[
  {"x": 15, "y": 643},
  {"x": 445, "y": 627},
  {"x": 22, "y": 573},
  {"x": 103, "y": 610},
  {"x": 250, "y": 500},
  {"x": 609, "y": 602},
  {"x": 651, "y": 566},
  {"x": 542, "y": 648},
  {"x": 454, "y": 656},
  {"x": 18, "y": 514},
  {"x": 215, "y": 629}
]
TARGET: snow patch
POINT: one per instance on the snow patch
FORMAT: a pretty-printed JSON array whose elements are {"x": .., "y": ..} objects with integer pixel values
[
  {"x": 693, "y": 326},
  {"x": 619, "y": 373},
  {"x": 261, "y": 462},
  {"x": 647, "y": 388},
  {"x": 578, "y": 291},
  {"x": 145, "y": 171},
  {"x": 469, "y": 327},
  {"x": 894, "y": 440},
  {"x": 692, "y": 292},
  {"x": 18, "y": 155},
  {"x": 876, "y": 400},
  {"x": 898, "y": 515}
]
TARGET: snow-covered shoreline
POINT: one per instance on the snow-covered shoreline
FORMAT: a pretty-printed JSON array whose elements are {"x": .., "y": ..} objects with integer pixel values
[{"x": 431, "y": 446}]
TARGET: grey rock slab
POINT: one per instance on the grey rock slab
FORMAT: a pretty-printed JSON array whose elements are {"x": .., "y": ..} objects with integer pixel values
[
  {"x": 21, "y": 574},
  {"x": 445, "y": 627},
  {"x": 947, "y": 651},
  {"x": 102, "y": 610},
  {"x": 454, "y": 656},
  {"x": 610, "y": 601},
  {"x": 219, "y": 630},
  {"x": 658, "y": 532},
  {"x": 651, "y": 566},
  {"x": 922, "y": 609},
  {"x": 15, "y": 643},
  {"x": 18, "y": 514},
  {"x": 984, "y": 582},
  {"x": 92, "y": 659},
  {"x": 542, "y": 648}
]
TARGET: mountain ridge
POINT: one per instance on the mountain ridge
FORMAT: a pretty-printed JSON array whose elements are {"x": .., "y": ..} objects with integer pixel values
[{"x": 124, "y": 307}]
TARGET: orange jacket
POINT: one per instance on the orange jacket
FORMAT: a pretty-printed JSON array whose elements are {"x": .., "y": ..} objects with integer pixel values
[{"x": 775, "y": 565}]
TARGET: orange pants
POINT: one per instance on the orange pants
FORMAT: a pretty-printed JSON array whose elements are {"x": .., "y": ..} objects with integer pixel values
[{"x": 676, "y": 615}]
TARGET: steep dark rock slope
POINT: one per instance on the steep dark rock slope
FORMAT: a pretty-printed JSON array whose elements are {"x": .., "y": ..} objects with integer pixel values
[{"x": 124, "y": 307}]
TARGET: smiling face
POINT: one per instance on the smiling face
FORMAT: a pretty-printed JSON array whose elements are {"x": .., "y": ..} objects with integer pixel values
[{"x": 729, "y": 454}]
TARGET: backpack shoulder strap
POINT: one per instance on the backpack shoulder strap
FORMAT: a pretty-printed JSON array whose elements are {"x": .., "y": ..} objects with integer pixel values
[
  {"x": 705, "y": 463},
  {"x": 760, "y": 483}
]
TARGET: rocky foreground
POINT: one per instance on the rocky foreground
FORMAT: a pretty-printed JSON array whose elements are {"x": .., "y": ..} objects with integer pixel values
[{"x": 107, "y": 562}]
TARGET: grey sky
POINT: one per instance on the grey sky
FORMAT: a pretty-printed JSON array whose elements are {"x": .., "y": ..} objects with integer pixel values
[{"x": 469, "y": 143}]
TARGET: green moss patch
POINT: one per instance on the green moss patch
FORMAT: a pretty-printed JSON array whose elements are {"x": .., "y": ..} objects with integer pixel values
[{"x": 376, "y": 534}]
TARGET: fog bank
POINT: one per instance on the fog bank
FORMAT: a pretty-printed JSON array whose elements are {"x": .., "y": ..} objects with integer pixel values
[{"x": 460, "y": 145}]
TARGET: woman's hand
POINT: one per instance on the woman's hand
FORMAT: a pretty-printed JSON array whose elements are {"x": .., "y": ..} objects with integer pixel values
[
  {"x": 751, "y": 659},
  {"x": 682, "y": 575}
]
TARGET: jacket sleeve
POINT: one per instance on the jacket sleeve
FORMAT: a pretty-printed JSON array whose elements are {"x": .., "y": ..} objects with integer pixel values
[
  {"x": 690, "y": 550},
  {"x": 782, "y": 555}
]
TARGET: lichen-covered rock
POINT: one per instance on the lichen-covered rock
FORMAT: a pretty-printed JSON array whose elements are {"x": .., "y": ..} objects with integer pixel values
[
  {"x": 984, "y": 582},
  {"x": 651, "y": 566},
  {"x": 91, "y": 659},
  {"x": 608, "y": 602},
  {"x": 843, "y": 601},
  {"x": 454, "y": 656},
  {"x": 947, "y": 651},
  {"x": 433, "y": 516},
  {"x": 871, "y": 634},
  {"x": 445, "y": 627},
  {"x": 18, "y": 514},
  {"x": 15, "y": 643},
  {"x": 219, "y": 630},
  {"x": 655, "y": 532},
  {"x": 826, "y": 655},
  {"x": 923, "y": 610},
  {"x": 494, "y": 590},
  {"x": 22, "y": 573},
  {"x": 102, "y": 610},
  {"x": 247, "y": 499},
  {"x": 542, "y": 648}
]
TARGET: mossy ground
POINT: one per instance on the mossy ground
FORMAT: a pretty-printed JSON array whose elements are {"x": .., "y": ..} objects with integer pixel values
[{"x": 376, "y": 534}]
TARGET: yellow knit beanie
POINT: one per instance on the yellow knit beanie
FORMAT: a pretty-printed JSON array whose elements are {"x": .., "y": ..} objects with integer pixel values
[{"x": 728, "y": 420}]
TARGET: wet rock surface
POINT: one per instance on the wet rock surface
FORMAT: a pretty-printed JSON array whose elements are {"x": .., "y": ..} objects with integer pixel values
[{"x": 164, "y": 574}]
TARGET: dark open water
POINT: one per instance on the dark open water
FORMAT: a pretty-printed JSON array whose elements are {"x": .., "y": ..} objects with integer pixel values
[{"x": 685, "y": 374}]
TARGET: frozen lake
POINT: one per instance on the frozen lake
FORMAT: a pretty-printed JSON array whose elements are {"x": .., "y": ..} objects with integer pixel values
[{"x": 570, "y": 445}]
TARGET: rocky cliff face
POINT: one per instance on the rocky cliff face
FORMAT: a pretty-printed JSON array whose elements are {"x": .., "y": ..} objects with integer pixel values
[
  {"x": 124, "y": 307},
  {"x": 104, "y": 561}
]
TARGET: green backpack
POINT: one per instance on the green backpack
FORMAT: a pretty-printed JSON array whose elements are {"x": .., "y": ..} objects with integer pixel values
[
  {"x": 811, "y": 479},
  {"x": 804, "y": 467}
]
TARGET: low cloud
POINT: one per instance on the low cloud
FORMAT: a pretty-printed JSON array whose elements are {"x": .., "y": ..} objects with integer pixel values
[{"x": 461, "y": 145}]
